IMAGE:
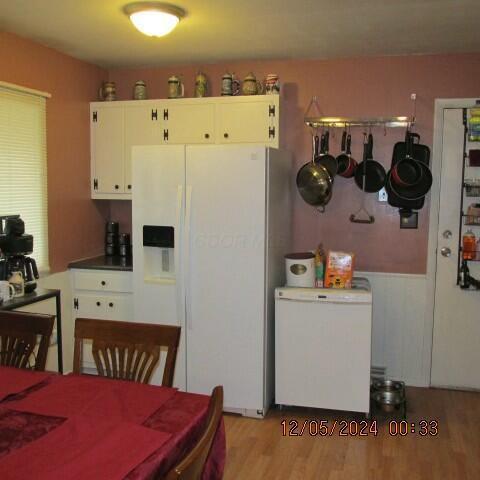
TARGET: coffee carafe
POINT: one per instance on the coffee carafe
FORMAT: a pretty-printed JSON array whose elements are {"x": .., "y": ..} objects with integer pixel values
[{"x": 15, "y": 246}]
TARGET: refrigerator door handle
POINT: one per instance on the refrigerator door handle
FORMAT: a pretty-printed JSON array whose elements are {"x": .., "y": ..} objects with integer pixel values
[
  {"x": 188, "y": 211},
  {"x": 177, "y": 260}
]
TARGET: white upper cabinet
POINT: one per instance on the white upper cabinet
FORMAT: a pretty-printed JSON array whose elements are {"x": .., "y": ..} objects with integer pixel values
[
  {"x": 141, "y": 128},
  {"x": 246, "y": 122},
  {"x": 107, "y": 151},
  {"x": 189, "y": 123},
  {"x": 117, "y": 126}
]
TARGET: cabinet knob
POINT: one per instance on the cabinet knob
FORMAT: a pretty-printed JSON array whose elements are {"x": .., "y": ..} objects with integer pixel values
[
  {"x": 116, "y": 187},
  {"x": 103, "y": 282},
  {"x": 129, "y": 187},
  {"x": 225, "y": 135},
  {"x": 207, "y": 135},
  {"x": 98, "y": 304},
  {"x": 110, "y": 304}
]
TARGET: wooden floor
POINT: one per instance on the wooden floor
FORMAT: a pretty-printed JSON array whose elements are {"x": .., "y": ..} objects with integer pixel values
[{"x": 257, "y": 449}]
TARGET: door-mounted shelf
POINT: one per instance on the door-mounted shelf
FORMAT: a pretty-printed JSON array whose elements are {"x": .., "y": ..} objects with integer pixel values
[{"x": 471, "y": 220}]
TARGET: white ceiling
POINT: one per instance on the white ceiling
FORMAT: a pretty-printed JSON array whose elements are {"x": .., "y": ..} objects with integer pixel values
[{"x": 216, "y": 30}]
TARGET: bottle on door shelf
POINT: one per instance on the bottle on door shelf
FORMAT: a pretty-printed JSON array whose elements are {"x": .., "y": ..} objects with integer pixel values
[
  {"x": 469, "y": 244},
  {"x": 319, "y": 266},
  {"x": 464, "y": 277}
]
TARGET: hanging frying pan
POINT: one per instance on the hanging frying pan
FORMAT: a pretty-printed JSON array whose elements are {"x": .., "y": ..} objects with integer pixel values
[
  {"x": 372, "y": 170},
  {"x": 345, "y": 161},
  {"x": 407, "y": 171},
  {"x": 412, "y": 192},
  {"x": 420, "y": 153},
  {"x": 325, "y": 159},
  {"x": 314, "y": 182}
]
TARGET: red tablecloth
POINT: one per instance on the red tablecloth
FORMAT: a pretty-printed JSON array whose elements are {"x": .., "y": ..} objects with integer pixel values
[
  {"x": 14, "y": 380},
  {"x": 179, "y": 420}
]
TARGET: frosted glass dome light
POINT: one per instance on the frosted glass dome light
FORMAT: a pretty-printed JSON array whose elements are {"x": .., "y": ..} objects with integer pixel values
[{"x": 154, "y": 19}]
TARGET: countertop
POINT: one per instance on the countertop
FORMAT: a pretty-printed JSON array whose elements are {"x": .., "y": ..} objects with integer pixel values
[{"x": 117, "y": 263}]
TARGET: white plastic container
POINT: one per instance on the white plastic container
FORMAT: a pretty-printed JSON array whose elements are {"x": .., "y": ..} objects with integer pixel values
[{"x": 300, "y": 269}]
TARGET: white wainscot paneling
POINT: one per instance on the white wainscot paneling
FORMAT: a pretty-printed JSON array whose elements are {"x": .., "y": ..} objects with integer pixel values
[{"x": 400, "y": 333}]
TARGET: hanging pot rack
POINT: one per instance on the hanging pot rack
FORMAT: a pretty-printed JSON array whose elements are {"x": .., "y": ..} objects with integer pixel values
[
  {"x": 320, "y": 121},
  {"x": 342, "y": 122}
]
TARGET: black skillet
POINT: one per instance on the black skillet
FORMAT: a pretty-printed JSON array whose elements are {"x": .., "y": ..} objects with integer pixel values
[
  {"x": 373, "y": 171},
  {"x": 325, "y": 159}
]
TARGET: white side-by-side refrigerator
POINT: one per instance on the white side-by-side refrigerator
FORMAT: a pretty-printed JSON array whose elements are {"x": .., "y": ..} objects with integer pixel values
[{"x": 210, "y": 227}]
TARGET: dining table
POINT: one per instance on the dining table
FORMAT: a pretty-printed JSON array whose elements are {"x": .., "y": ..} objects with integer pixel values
[{"x": 84, "y": 426}]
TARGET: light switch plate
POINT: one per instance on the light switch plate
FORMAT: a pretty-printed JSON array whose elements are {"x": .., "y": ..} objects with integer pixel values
[{"x": 382, "y": 195}]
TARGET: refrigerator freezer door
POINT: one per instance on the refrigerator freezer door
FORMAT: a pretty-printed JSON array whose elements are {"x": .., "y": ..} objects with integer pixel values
[
  {"x": 159, "y": 297},
  {"x": 225, "y": 272}
]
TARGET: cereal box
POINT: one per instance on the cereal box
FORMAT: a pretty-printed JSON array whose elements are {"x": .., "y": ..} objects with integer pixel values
[{"x": 339, "y": 270}]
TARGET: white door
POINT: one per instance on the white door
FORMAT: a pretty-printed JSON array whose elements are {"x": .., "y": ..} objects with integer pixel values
[
  {"x": 158, "y": 294},
  {"x": 108, "y": 149},
  {"x": 225, "y": 272},
  {"x": 142, "y": 127},
  {"x": 190, "y": 123},
  {"x": 456, "y": 332},
  {"x": 245, "y": 122}
]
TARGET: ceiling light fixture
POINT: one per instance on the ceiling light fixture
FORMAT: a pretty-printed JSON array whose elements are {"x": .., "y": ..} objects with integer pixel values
[{"x": 154, "y": 19}]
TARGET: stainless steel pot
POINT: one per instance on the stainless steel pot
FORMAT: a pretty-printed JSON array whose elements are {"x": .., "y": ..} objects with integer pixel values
[{"x": 314, "y": 182}]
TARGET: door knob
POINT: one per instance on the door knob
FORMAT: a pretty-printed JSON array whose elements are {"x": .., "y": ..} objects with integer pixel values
[
  {"x": 447, "y": 234},
  {"x": 445, "y": 251}
]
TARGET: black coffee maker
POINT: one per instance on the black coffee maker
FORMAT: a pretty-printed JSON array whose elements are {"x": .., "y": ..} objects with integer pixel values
[{"x": 15, "y": 246}]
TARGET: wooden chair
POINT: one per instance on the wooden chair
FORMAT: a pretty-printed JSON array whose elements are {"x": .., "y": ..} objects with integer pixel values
[
  {"x": 127, "y": 350},
  {"x": 191, "y": 467},
  {"x": 18, "y": 339}
]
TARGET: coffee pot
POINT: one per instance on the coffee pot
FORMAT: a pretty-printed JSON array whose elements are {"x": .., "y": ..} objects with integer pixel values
[{"x": 15, "y": 246}]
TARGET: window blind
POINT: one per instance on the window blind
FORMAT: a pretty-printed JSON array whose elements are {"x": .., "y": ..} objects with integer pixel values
[{"x": 23, "y": 165}]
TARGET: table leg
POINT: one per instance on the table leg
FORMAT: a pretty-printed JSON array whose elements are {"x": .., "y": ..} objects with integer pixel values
[{"x": 59, "y": 332}]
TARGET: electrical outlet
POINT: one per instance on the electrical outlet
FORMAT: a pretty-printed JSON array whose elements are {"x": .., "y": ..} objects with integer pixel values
[{"x": 382, "y": 195}]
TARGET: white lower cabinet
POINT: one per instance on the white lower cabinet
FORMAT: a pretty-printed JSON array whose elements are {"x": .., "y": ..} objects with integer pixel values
[{"x": 102, "y": 295}]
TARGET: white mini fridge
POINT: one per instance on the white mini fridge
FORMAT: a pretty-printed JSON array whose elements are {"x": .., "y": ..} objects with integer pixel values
[{"x": 323, "y": 347}]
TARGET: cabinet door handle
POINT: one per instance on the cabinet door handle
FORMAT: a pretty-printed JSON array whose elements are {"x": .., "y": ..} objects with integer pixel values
[
  {"x": 98, "y": 304},
  {"x": 110, "y": 304},
  {"x": 129, "y": 187},
  {"x": 225, "y": 135},
  {"x": 116, "y": 187},
  {"x": 207, "y": 135},
  {"x": 103, "y": 282}
]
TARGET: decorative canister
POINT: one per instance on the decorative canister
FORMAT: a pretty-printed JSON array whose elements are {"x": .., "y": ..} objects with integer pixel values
[
  {"x": 230, "y": 85},
  {"x": 140, "y": 90},
  {"x": 300, "y": 269},
  {"x": 251, "y": 86},
  {"x": 176, "y": 88},
  {"x": 272, "y": 84},
  {"x": 106, "y": 92},
  {"x": 201, "y": 85}
]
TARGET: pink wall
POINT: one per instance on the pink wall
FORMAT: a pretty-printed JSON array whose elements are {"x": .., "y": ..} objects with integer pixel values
[
  {"x": 376, "y": 86},
  {"x": 75, "y": 221}
]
